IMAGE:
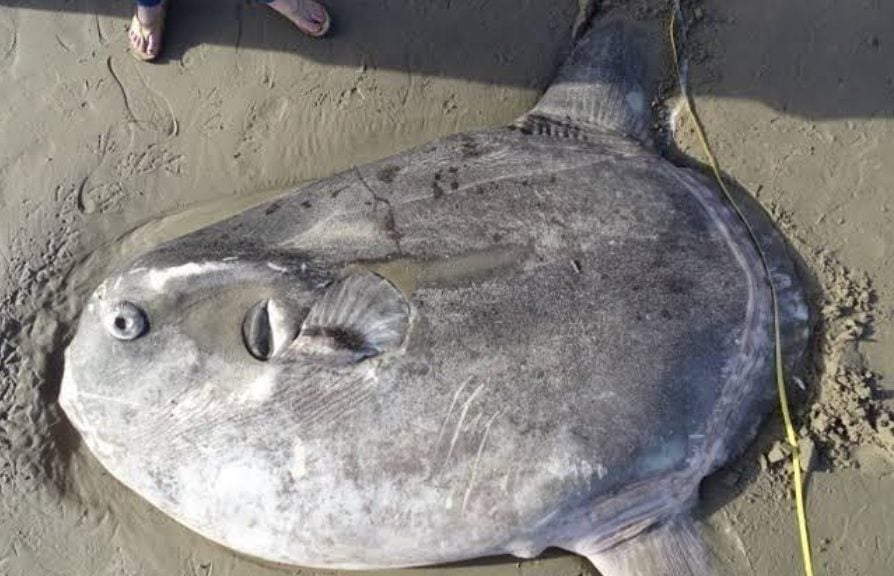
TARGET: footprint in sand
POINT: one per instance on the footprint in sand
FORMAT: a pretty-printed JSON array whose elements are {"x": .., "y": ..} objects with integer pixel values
[
  {"x": 261, "y": 123},
  {"x": 142, "y": 104},
  {"x": 126, "y": 156},
  {"x": 8, "y": 40},
  {"x": 140, "y": 146}
]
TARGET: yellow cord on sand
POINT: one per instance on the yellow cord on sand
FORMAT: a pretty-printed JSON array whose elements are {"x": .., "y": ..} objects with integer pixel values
[{"x": 790, "y": 435}]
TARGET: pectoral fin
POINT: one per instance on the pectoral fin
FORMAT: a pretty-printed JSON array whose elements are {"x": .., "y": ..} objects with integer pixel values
[{"x": 357, "y": 317}]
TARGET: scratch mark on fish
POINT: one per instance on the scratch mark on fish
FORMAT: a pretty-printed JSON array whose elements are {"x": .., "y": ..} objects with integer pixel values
[
  {"x": 450, "y": 410},
  {"x": 477, "y": 459},
  {"x": 459, "y": 424},
  {"x": 105, "y": 398},
  {"x": 277, "y": 267}
]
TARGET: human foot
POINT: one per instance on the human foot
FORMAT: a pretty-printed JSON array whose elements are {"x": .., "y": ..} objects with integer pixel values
[
  {"x": 310, "y": 17},
  {"x": 146, "y": 30}
]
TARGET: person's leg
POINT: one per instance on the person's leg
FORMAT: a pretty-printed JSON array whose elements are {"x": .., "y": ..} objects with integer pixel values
[
  {"x": 309, "y": 16},
  {"x": 147, "y": 28}
]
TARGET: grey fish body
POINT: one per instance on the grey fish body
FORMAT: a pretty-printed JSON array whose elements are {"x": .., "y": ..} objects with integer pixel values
[{"x": 543, "y": 335}]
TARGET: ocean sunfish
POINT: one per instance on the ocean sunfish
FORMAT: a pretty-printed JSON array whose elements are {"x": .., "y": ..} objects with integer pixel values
[{"x": 538, "y": 335}]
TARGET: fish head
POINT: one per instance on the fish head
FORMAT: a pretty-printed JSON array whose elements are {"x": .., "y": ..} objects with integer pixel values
[
  {"x": 159, "y": 330},
  {"x": 164, "y": 341}
]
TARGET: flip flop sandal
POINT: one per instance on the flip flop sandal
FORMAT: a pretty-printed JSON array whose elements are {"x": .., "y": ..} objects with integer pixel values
[{"x": 146, "y": 30}]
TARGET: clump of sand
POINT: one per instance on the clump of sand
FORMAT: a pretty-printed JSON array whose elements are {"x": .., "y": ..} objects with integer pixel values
[
  {"x": 838, "y": 406},
  {"x": 846, "y": 410}
]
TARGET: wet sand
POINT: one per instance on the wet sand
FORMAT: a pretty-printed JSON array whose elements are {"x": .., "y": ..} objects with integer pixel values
[{"x": 102, "y": 156}]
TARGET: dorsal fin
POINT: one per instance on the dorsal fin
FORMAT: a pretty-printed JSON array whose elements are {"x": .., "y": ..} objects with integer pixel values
[{"x": 605, "y": 83}]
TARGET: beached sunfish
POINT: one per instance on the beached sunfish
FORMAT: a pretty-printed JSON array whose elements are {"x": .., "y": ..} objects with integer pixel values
[{"x": 537, "y": 335}]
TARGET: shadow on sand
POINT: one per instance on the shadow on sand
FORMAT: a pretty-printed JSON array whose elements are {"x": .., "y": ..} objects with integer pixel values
[{"x": 833, "y": 64}]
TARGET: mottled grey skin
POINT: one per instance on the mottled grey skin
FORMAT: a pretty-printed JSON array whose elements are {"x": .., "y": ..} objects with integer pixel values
[{"x": 589, "y": 335}]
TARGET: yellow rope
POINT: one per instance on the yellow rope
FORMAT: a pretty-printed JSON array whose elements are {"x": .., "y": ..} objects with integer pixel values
[{"x": 790, "y": 435}]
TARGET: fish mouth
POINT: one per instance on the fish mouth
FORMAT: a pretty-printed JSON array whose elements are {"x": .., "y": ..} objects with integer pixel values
[{"x": 71, "y": 401}]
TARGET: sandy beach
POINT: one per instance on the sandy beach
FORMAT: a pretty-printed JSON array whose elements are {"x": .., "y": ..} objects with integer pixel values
[{"x": 102, "y": 157}]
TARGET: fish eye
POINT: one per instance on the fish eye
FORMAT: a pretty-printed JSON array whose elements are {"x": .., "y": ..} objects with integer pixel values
[{"x": 125, "y": 321}]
